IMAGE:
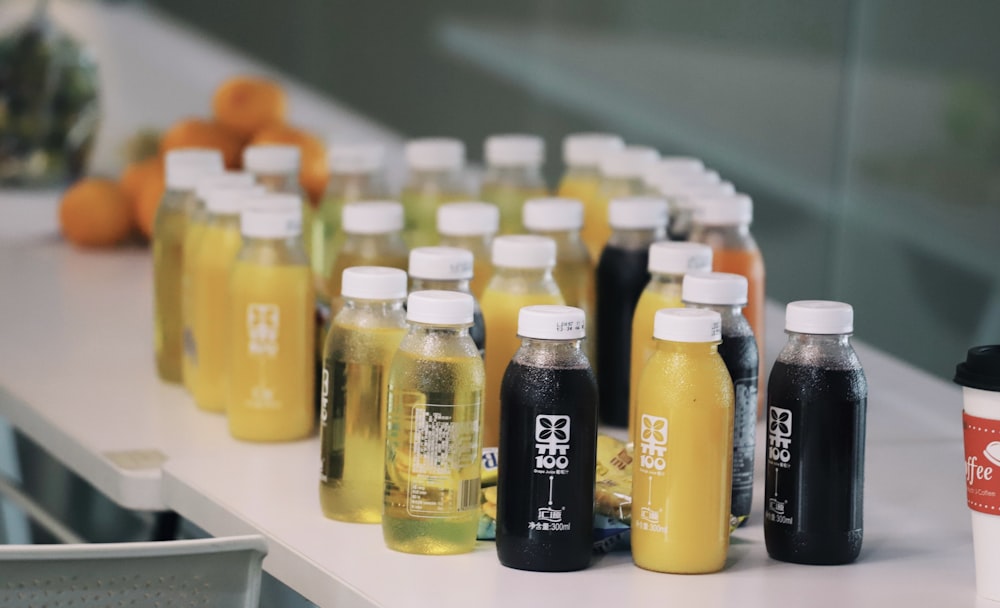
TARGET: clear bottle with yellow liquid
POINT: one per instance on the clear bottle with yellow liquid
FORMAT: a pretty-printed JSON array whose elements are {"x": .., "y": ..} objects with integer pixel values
[
  {"x": 622, "y": 174},
  {"x": 184, "y": 168},
  {"x": 472, "y": 226},
  {"x": 513, "y": 175},
  {"x": 681, "y": 475},
  {"x": 668, "y": 263},
  {"x": 522, "y": 276},
  {"x": 272, "y": 330},
  {"x": 358, "y": 352},
  {"x": 435, "y": 166},
  {"x": 433, "y": 438},
  {"x": 582, "y": 154}
]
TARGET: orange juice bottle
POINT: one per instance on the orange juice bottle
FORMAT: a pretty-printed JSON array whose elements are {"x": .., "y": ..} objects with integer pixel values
[
  {"x": 472, "y": 226},
  {"x": 681, "y": 474},
  {"x": 513, "y": 175},
  {"x": 522, "y": 276},
  {"x": 435, "y": 166},
  {"x": 668, "y": 263},
  {"x": 622, "y": 174},
  {"x": 272, "y": 329},
  {"x": 582, "y": 154},
  {"x": 184, "y": 168}
]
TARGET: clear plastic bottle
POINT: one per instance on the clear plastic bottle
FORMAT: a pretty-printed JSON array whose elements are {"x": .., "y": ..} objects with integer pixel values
[
  {"x": 434, "y": 422},
  {"x": 447, "y": 269},
  {"x": 435, "y": 177},
  {"x": 358, "y": 352},
  {"x": 683, "y": 194},
  {"x": 622, "y": 174},
  {"x": 726, "y": 294},
  {"x": 472, "y": 226},
  {"x": 513, "y": 175},
  {"x": 582, "y": 154},
  {"x": 184, "y": 168}
]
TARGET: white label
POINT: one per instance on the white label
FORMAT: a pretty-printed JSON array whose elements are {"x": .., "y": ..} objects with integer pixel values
[
  {"x": 779, "y": 436},
  {"x": 551, "y": 444},
  {"x": 653, "y": 444},
  {"x": 263, "y": 323},
  {"x": 443, "y": 446}
]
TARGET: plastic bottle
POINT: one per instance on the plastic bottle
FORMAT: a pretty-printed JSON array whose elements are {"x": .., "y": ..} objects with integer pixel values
[
  {"x": 522, "y": 277},
  {"x": 726, "y": 294},
  {"x": 668, "y": 263},
  {"x": 622, "y": 275},
  {"x": 548, "y": 445},
  {"x": 621, "y": 176},
  {"x": 433, "y": 441},
  {"x": 683, "y": 193},
  {"x": 683, "y": 466},
  {"x": 272, "y": 330},
  {"x": 582, "y": 154},
  {"x": 447, "y": 269},
  {"x": 358, "y": 352},
  {"x": 183, "y": 170},
  {"x": 817, "y": 399},
  {"x": 513, "y": 175},
  {"x": 435, "y": 176},
  {"x": 472, "y": 226}
]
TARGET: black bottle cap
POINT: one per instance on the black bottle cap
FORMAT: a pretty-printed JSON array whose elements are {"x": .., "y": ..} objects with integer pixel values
[{"x": 981, "y": 368}]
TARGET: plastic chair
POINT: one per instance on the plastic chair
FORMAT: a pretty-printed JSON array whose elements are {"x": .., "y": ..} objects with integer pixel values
[{"x": 217, "y": 572}]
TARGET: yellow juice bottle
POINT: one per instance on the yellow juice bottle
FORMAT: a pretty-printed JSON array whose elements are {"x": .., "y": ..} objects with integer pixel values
[
  {"x": 433, "y": 439},
  {"x": 668, "y": 263},
  {"x": 272, "y": 329},
  {"x": 513, "y": 175},
  {"x": 435, "y": 166},
  {"x": 522, "y": 277},
  {"x": 681, "y": 476},
  {"x": 184, "y": 168},
  {"x": 471, "y": 226},
  {"x": 622, "y": 174},
  {"x": 358, "y": 352},
  {"x": 582, "y": 154}
]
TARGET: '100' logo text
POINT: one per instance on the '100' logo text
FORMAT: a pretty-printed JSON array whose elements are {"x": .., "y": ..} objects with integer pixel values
[
  {"x": 552, "y": 443},
  {"x": 779, "y": 436},
  {"x": 653, "y": 443}
]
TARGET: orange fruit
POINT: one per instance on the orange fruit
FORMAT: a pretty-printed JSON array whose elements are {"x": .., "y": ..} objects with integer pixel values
[
  {"x": 148, "y": 201},
  {"x": 313, "y": 170},
  {"x": 94, "y": 212},
  {"x": 198, "y": 133},
  {"x": 245, "y": 105},
  {"x": 136, "y": 176}
]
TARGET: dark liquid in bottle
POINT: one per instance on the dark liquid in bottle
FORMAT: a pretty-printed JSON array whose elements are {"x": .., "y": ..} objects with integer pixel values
[
  {"x": 739, "y": 353},
  {"x": 621, "y": 276},
  {"x": 478, "y": 330},
  {"x": 815, "y": 464},
  {"x": 545, "y": 489}
]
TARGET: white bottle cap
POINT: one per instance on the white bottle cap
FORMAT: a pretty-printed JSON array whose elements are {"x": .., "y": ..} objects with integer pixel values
[
  {"x": 523, "y": 251},
  {"x": 630, "y": 162},
  {"x": 586, "y": 149},
  {"x": 373, "y": 283},
  {"x": 686, "y": 196},
  {"x": 231, "y": 200},
  {"x": 819, "y": 317},
  {"x": 435, "y": 154},
  {"x": 355, "y": 157},
  {"x": 549, "y": 322},
  {"x": 673, "y": 167},
  {"x": 468, "y": 219},
  {"x": 436, "y": 307},
  {"x": 552, "y": 214},
  {"x": 277, "y": 223},
  {"x": 512, "y": 150},
  {"x": 184, "y": 168},
  {"x": 638, "y": 212},
  {"x": 731, "y": 210},
  {"x": 714, "y": 288},
  {"x": 687, "y": 325},
  {"x": 681, "y": 164},
  {"x": 226, "y": 179},
  {"x": 372, "y": 217},
  {"x": 271, "y": 159},
  {"x": 441, "y": 263},
  {"x": 669, "y": 257}
]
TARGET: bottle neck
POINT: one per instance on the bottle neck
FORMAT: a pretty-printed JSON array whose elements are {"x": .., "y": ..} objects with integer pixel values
[
  {"x": 461, "y": 285},
  {"x": 694, "y": 349},
  {"x": 375, "y": 307},
  {"x": 520, "y": 174},
  {"x": 524, "y": 274},
  {"x": 472, "y": 242},
  {"x": 438, "y": 331},
  {"x": 287, "y": 183},
  {"x": 833, "y": 351},
  {"x": 641, "y": 238},
  {"x": 664, "y": 280},
  {"x": 551, "y": 353},
  {"x": 561, "y": 237},
  {"x": 734, "y": 324}
]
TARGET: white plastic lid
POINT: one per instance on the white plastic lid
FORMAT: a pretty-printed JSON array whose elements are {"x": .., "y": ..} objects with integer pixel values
[
  {"x": 586, "y": 149},
  {"x": 271, "y": 159},
  {"x": 819, "y": 317},
  {"x": 552, "y": 214},
  {"x": 435, "y": 154},
  {"x": 184, "y": 168},
  {"x": 436, "y": 307},
  {"x": 523, "y": 251},
  {"x": 630, "y": 162},
  {"x": 549, "y": 322},
  {"x": 230, "y": 200},
  {"x": 372, "y": 217},
  {"x": 723, "y": 210},
  {"x": 637, "y": 212},
  {"x": 687, "y": 325},
  {"x": 714, "y": 288},
  {"x": 226, "y": 179},
  {"x": 681, "y": 164},
  {"x": 355, "y": 157},
  {"x": 672, "y": 167},
  {"x": 273, "y": 201},
  {"x": 686, "y": 196},
  {"x": 373, "y": 283},
  {"x": 277, "y": 223},
  {"x": 668, "y": 257},
  {"x": 468, "y": 219},
  {"x": 440, "y": 263},
  {"x": 514, "y": 149}
]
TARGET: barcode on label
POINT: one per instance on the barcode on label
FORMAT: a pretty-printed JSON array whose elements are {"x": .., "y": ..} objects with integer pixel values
[{"x": 468, "y": 495}]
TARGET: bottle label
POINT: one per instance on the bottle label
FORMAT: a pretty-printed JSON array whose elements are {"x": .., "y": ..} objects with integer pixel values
[
  {"x": 652, "y": 463},
  {"x": 780, "y": 446},
  {"x": 745, "y": 430},
  {"x": 444, "y": 460},
  {"x": 552, "y": 460},
  {"x": 982, "y": 463},
  {"x": 263, "y": 324}
]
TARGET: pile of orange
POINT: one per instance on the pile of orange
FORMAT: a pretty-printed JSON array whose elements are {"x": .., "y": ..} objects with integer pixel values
[{"x": 245, "y": 111}]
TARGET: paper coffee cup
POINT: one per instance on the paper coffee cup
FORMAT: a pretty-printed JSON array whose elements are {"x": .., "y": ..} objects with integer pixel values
[{"x": 979, "y": 377}]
